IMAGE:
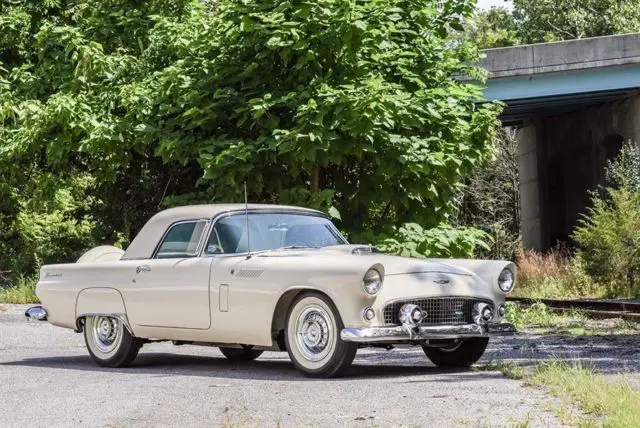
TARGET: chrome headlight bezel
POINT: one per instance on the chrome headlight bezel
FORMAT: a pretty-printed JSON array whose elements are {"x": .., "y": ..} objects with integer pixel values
[
  {"x": 372, "y": 282},
  {"x": 506, "y": 280}
]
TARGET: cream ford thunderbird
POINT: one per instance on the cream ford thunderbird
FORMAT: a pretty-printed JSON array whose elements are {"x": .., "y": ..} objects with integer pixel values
[{"x": 249, "y": 279}]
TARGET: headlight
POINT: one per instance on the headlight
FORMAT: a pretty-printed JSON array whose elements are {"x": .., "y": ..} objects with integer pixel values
[
  {"x": 372, "y": 282},
  {"x": 505, "y": 280}
]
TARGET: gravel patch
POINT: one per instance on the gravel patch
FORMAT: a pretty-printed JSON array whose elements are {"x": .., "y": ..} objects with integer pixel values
[{"x": 606, "y": 352}]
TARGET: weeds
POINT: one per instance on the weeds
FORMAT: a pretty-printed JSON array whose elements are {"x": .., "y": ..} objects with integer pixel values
[
  {"x": 540, "y": 315},
  {"x": 23, "y": 290},
  {"x": 509, "y": 369},
  {"x": 573, "y": 383},
  {"x": 553, "y": 275}
]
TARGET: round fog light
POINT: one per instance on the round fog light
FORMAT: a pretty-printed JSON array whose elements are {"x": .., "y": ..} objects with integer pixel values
[
  {"x": 487, "y": 314},
  {"x": 501, "y": 310},
  {"x": 368, "y": 313},
  {"x": 482, "y": 313},
  {"x": 411, "y": 314}
]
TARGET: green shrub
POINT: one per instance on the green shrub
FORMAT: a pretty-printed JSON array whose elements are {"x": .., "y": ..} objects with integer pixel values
[
  {"x": 538, "y": 315},
  {"x": 624, "y": 170},
  {"x": 608, "y": 239},
  {"x": 46, "y": 221},
  {"x": 22, "y": 291},
  {"x": 412, "y": 240}
]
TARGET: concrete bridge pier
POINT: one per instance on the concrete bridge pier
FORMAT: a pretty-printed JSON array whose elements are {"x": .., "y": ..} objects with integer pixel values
[
  {"x": 575, "y": 103},
  {"x": 562, "y": 158}
]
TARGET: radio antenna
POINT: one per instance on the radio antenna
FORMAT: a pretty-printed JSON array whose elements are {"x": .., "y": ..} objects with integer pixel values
[{"x": 246, "y": 214}]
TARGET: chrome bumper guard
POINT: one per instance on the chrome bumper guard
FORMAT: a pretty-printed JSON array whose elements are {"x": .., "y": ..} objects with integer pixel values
[
  {"x": 36, "y": 313},
  {"x": 422, "y": 333}
]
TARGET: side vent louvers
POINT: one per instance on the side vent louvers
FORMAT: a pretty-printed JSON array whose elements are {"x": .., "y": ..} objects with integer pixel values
[{"x": 249, "y": 273}]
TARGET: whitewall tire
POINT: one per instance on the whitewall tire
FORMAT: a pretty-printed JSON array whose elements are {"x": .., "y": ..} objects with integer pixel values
[
  {"x": 109, "y": 342},
  {"x": 312, "y": 337}
]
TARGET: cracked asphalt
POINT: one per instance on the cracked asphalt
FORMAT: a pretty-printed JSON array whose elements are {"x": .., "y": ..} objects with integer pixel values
[{"x": 47, "y": 379}]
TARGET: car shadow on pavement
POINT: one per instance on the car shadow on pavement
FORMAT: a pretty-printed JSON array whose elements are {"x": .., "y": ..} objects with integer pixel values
[{"x": 166, "y": 364}]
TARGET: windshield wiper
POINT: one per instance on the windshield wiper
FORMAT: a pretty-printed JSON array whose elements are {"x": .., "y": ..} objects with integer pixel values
[{"x": 288, "y": 247}]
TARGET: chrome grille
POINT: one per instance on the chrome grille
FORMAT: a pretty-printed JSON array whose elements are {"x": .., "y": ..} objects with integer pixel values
[{"x": 440, "y": 310}]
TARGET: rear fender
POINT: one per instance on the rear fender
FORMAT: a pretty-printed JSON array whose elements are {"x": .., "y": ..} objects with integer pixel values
[{"x": 101, "y": 301}]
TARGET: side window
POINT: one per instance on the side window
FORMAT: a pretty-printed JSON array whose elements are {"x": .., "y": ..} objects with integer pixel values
[
  {"x": 226, "y": 236},
  {"x": 181, "y": 240}
]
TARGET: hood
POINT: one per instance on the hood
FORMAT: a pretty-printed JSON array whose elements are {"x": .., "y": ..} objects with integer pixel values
[{"x": 396, "y": 265}]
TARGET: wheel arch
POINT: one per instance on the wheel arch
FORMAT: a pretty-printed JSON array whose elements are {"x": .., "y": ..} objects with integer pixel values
[
  {"x": 281, "y": 310},
  {"x": 101, "y": 301}
]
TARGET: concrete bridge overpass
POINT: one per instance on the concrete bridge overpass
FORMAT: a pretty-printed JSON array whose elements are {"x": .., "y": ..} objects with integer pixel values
[{"x": 575, "y": 103}]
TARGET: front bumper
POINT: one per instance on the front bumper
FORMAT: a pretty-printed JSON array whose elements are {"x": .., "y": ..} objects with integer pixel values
[{"x": 401, "y": 334}]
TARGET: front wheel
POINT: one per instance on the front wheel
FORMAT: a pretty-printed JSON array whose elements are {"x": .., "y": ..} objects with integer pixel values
[
  {"x": 240, "y": 354},
  {"x": 109, "y": 342},
  {"x": 463, "y": 354},
  {"x": 312, "y": 337}
]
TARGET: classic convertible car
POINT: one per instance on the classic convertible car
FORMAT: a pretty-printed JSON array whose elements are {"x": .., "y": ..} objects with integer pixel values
[{"x": 255, "y": 278}]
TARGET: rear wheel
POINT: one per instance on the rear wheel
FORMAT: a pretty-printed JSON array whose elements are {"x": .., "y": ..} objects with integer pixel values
[
  {"x": 109, "y": 342},
  {"x": 240, "y": 354},
  {"x": 462, "y": 354},
  {"x": 312, "y": 337}
]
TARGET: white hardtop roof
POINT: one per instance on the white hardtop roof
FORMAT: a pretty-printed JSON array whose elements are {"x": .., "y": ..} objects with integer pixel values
[
  {"x": 212, "y": 210},
  {"x": 144, "y": 244}
]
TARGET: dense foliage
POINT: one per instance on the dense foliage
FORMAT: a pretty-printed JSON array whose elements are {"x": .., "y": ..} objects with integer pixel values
[
  {"x": 113, "y": 109},
  {"x": 553, "y": 20},
  {"x": 608, "y": 237},
  {"x": 494, "y": 28},
  {"x": 411, "y": 240},
  {"x": 490, "y": 200},
  {"x": 609, "y": 241},
  {"x": 624, "y": 170}
]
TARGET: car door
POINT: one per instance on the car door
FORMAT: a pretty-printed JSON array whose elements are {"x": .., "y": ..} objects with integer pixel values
[
  {"x": 241, "y": 303},
  {"x": 172, "y": 288}
]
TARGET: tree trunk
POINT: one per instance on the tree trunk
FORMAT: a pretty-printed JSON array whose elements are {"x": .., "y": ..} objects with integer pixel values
[{"x": 315, "y": 180}]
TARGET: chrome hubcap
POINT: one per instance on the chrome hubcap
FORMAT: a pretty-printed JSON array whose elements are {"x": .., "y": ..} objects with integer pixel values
[
  {"x": 314, "y": 333},
  {"x": 106, "y": 333}
]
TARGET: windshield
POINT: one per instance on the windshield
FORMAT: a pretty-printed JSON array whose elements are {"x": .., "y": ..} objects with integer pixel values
[{"x": 269, "y": 231}]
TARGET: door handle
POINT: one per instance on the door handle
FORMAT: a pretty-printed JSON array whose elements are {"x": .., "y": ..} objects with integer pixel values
[{"x": 143, "y": 268}]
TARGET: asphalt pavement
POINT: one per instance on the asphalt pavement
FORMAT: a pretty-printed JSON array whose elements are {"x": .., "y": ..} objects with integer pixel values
[{"x": 47, "y": 379}]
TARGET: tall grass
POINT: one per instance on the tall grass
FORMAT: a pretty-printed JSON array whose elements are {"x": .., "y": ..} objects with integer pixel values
[
  {"x": 553, "y": 275},
  {"x": 617, "y": 403},
  {"x": 23, "y": 290},
  {"x": 540, "y": 315}
]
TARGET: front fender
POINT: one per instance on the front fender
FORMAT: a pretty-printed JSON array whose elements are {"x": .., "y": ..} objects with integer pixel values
[{"x": 487, "y": 270}]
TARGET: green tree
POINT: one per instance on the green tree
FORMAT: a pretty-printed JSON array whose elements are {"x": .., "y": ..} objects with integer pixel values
[
  {"x": 491, "y": 199},
  {"x": 551, "y": 20},
  {"x": 348, "y": 106},
  {"x": 608, "y": 239},
  {"x": 63, "y": 64},
  {"x": 338, "y": 104},
  {"x": 493, "y": 28}
]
